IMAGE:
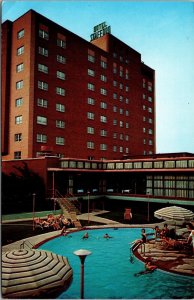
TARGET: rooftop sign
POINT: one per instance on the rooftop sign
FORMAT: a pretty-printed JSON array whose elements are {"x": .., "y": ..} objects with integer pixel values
[{"x": 100, "y": 30}]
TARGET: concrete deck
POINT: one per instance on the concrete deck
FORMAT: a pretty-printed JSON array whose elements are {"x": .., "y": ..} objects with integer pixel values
[{"x": 175, "y": 261}]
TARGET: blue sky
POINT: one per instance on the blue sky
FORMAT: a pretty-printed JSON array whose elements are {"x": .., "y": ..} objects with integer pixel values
[{"x": 163, "y": 32}]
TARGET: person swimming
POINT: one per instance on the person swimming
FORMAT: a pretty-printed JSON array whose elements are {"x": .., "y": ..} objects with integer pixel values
[
  {"x": 85, "y": 236},
  {"x": 149, "y": 268}
]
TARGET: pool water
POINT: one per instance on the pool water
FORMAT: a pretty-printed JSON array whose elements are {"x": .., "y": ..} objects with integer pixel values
[{"x": 109, "y": 272}]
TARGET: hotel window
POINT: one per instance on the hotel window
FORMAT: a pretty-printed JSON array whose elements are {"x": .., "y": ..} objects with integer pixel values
[
  {"x": 144, "y": 129},
  {"x": 43, "y": 51},
  {"x": 144, "y": 141},
  {"x": 41, "y": 120},
  {"x": 103, "y": 119},
  {"x": 144, "y": 83},
  {"x": 114, "y": 70},
  {"x": 103, "y": 91},
  {"x": 103, "y": 105},
  {"x": 60, "y": 75},
  {"x": 115, "y": 96},
  {"x": 126, "y": 75},
  {"x": 18, "y": 120},
  {"x": 150, "y": 142},
  {"x": 126, "y": 137},
  {"x": 60, "y": 140},
  {"x": 144, "y": 107},
  {"x": 42, "y": 85},
  {"x": 18, "y": 102},
  {"x": 115, "y": 83},
  {"x": 127, "y": 101},
  {"x": 121, "y": 58},
  {"x": 114, "y": 122},
  {"x": 42, "y": 102},
  {"x": 127, "y": 113},
  {"x": 18, "y": 137},
  {"x": 103, "y": 147},
  {"x": 60, "y": 91},
  {"x": 114, "y": 109},
  {"x": 20, "y": 50},
  {"x": 114, "y": 135},
  {"x": 43, "y": 34},
  {"x": 121, "y": 136},
  {"x": 144, "y": 96},
  {"x": 150, "y": 120},
  {"x": 121, "y": 111},
  {"x": 121, "y": 123},
  {"x": 150, "y": 131},
  {"x": 114, "y": 67},
  {"x": 127, "y": 125},
  {"x": 17, "y": 155},
  {"x": 91, "y": 72},
  {"x": 61, "y": 43},
  {"x": 90, "y": 115},
  {"x": 114, "y": 148},
  {"x": 60, "y": 124},
  {"x": 150, "y": 86},
  {"x": 103, "y": 132},
  {"x": 91, "y": 58},
  {"x": 90, "y": 130},
  {"x": 121, "y": 73},
  {"x": 103, "y": 62},
  {"x": 103, "y": 78},
  {"x": 127, "y": 150},
  {"x": 121, "y": 86},
  {"x": 121, "y": 149},
  {"x": 19, "y": 84},
  {"x": 91, "y": 55},
  {"x": 91, "y": 101},
  {"x": 150, "y": 99},
  {"x": 61, "y": 59},
  {"x": 121, "y": 98},
  {"x": 149, "y": 109},
  {"x": 43, "y": 68},
  {"x": 90, "y": 145},
  {"x": 19, "y": 67},
  {"x": 144, "y": 119},
  {"x": 20, "y": 34},
  {"x": 91, "y": 87},
  {"x": 60, "y": 107},
  {"x": 41, "y": 138},
  {"x": 114, "y": 54},
  {"x": 126, "y": 88}
]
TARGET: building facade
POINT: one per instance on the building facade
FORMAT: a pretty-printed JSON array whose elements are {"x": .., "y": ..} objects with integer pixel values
[
  {"x": 65, "y": 96},
  {"x": 160, "y": 178}
]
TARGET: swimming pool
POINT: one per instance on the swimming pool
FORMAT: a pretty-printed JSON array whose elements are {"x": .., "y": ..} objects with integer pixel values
[{"x": 109, "y": 274}]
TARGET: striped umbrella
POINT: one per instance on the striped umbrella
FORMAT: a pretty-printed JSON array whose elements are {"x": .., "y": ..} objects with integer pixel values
[
  {"x": 33, "y": 273},
  {"x": 174, "y": 213}
]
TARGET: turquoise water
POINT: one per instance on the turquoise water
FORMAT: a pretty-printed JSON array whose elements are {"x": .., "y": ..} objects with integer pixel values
[{"x": 109, "y": 274}]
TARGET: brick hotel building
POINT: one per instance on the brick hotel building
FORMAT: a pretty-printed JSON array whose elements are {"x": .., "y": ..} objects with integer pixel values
[{"x": 65, "y": 96}]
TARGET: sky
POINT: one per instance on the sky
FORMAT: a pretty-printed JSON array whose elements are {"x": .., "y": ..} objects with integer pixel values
[{"x": 162, "y": 31}]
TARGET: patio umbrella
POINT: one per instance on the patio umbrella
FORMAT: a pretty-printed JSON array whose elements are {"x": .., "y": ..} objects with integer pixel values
[
  {"x": 33, "y": 273},
  {"x": 174, "y": 213}
]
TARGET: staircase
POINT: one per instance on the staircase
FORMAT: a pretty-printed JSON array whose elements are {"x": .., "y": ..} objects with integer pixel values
[{"x": 69, "y": 207}]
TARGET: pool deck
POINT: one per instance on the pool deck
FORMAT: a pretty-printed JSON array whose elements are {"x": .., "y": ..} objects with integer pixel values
[
  {"x": 179, "y": 262},
  {"x": 176, "y": 261}
]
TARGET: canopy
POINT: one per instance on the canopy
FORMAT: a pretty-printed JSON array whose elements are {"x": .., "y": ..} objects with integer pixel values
[
  {"x": 33, "y": 273},
  {"x": 175, "y": 213}
]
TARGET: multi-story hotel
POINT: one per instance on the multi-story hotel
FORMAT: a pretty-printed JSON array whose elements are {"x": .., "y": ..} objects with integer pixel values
[{"x": 68, "y": 97}]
